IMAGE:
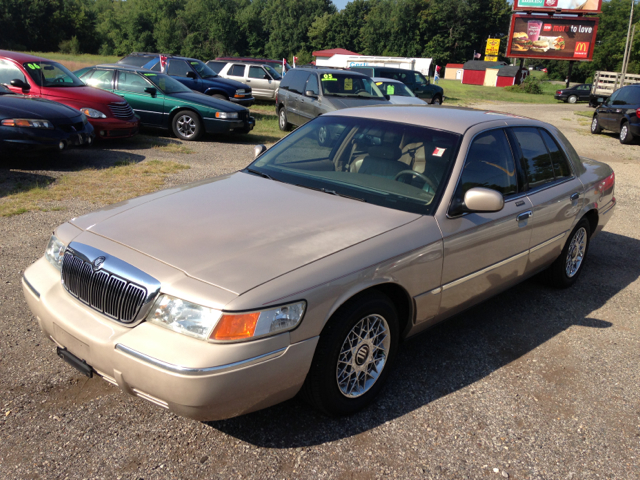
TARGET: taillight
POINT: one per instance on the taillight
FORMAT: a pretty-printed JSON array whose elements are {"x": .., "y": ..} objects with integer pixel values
[
  {"x": 559, "y": 92},
  {"x": 638, "y": 112}
]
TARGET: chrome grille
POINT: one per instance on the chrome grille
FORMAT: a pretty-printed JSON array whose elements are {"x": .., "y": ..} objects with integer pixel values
[
  {"x": 101, "y": 290},
  {"x": 121, "y": 110}
]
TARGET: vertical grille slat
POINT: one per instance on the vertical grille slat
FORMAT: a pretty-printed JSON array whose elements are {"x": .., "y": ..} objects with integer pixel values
[{"x": 116, "y": 297}]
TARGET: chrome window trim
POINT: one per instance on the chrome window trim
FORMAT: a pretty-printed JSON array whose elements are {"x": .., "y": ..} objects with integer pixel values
[{"x": 179, "y": 369}]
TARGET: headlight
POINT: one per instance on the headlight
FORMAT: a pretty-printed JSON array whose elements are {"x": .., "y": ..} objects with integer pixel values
[
  {"x": 92, "y": 113},
  {"x": 241, "y": 92},
  {"x": 55, "y": 252},
  {"x": 207, "y": 323},
  {"x": 226, "y": 114},
  {"x": 25, "y": 122}
]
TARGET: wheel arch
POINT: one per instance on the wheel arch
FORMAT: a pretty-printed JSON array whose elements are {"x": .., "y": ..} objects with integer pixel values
[
  {"x": 182, "y": 108},
  {"x": 215, "y": 91},
  {"x": 593, "y": 219}
]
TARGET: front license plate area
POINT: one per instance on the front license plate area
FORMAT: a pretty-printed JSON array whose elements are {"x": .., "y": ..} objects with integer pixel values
[{"x": 80, "y": 365}]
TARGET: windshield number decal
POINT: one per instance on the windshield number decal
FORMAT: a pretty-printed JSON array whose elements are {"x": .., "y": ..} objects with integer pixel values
[
  {"x": 149, "y": 74},
  {"x": 33, "y": 66},
  {"x": 328, "y": 77}
]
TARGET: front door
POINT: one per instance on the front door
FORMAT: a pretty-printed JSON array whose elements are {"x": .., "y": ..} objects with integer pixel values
[
  {"x": 260, "y": 82},
  {"x": 310, "y": 106},
  {"x": 484, "y": 253},
  {"x": 148, "y": 107},
  {"x": 180, "y": 69},
  {"x": 9, "y": 71}
]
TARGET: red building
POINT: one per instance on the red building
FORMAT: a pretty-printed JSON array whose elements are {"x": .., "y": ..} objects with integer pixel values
[
  {"x": 511, "y": 75},
  {"x": 334, "y": 51},
  {"x": 474, "y": 71}
]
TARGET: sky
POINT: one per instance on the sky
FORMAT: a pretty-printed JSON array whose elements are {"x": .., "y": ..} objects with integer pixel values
[{"x": 340, "y": 4}]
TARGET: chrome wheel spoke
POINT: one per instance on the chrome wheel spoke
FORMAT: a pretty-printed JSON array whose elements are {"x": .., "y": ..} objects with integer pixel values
[
  {"x": 363, "y": 356},
  {"x": 575, "y": 253}
]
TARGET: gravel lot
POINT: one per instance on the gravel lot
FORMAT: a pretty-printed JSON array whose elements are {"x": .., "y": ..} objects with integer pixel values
[{"x": 533, "y": 384}]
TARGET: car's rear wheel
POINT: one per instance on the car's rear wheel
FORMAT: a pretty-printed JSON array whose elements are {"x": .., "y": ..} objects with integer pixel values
[
  {"x": 625, "y": 134},
  {"x": 284, "y": 125},
  {"x": 187, "y": 125},
  {"x": 354, "y": 355},
  {"x": 595, "y": 125},
  {"x": 572, "y": 99},
  {"x": 437, "y": 100},
  {"x": 567, "y": 268}
]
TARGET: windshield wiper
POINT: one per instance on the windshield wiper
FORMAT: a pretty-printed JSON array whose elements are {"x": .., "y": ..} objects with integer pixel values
[
  {"x": 332, "y": 192},
  {"x": 256, "y": 172}
]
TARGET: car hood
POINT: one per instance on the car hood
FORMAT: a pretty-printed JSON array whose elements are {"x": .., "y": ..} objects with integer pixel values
[
  {"x": 16, "y": 106},
  {"x": 346, "y": 102},
  {"x": 86, "y": 93},
  {"x": 216, "y": 81},
  {"x": 207, "y": 101},
  {"x": 239, "y": 231}
]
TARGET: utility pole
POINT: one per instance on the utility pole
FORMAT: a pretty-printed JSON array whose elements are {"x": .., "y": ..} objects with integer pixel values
[{"x": 627, "y": 47}]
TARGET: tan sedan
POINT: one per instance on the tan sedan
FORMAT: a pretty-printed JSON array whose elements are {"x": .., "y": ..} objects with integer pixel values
[{"x": 306, "y": 270}]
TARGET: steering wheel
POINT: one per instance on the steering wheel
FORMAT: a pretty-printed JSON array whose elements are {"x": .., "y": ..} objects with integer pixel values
[
  {"x": 58, "y": 80},
  {"x": 413, "y": 173}
]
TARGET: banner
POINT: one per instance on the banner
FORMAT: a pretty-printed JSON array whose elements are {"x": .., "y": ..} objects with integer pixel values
[
  {"x": 564, "y": 6},
  {"x": 552, "y": 38},
  {"x": 490, "y": 58},
  {"x": 493, "y": 47}
]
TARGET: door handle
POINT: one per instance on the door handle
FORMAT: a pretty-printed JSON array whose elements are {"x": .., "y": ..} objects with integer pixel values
[
  {"x": 574, "y": 197},
  {"x": 524, "y": 216},
  {"x": 248, "y": 81}
]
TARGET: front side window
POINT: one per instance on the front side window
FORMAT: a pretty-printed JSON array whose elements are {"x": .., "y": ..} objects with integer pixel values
[
  {"x": 257, "y": 72},
  {"x": 274, "y": 73},
  {"x": 389, "y": 164},
  {"x": 345, "y": 85},
  {"x": 536, "y": 160},
  {"x": 178, "y": 68},
  {"x": 8, "y": 72},
  {"x": 312, "y": 85},
  {"x": 99, "y": 79},
  {"x": 297, "y": 80},
  {"x": 489, "y": 164},
  {"x": 236, "y": 71},
  {"x": 166, "y": 84},
  {"x": 203, "y": 70},
  {"x": 131, "y": 82},
  {"x": 51, "y": 74},
  {"x": 394, "y": 88},
  {"x": 216, "y": 66}
]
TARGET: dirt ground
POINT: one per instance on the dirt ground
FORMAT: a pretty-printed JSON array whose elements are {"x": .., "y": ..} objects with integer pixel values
[{"x": 533, "y": 384}]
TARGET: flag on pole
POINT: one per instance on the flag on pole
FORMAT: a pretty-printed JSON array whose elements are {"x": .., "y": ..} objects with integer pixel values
[
  {"x": 284, "y": 70},
  {"x": 295, "y": 59},
  {"x": 163, "y": 63},
  {"x": 476, "y": 55}
]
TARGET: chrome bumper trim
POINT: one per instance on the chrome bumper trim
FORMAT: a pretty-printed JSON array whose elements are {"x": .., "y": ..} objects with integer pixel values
[
  {"x": 170, "y": 367},
  {"x": 484, "y": 270},
  {"x": 31, "y": 287}
]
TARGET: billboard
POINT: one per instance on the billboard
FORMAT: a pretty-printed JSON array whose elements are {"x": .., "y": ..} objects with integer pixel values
[
  {"x": 493, "y": 47},
  {"x": 552, "y": 38},
  {"x": 565, "y": 6}
]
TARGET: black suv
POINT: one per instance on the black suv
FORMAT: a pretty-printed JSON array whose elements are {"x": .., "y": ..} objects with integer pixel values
[
  {"x": 413, "y": 79},
  {"x": 194, "y": 74},
  {"x": 620, "y": 113},
  {"x": 306, "y": 93}
]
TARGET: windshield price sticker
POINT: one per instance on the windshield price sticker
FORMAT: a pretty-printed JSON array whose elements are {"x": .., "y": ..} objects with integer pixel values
[
  {"x": 348, "y": 84},
  {"x": 391, "y": 89},
  {"x": 328, "y": 77},
  {"x": 149, "y": 74},
  {"x": 438, "y": 152}
]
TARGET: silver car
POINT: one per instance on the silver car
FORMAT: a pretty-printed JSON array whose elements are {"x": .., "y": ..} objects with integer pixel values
[
  {"x": 398, "y": 92},
  {"x": 306, "y": 270},
  {"x": 264, "y": 80}
]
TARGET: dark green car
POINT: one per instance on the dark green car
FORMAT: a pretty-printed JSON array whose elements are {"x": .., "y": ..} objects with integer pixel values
[{"x": 162, "y": 102}]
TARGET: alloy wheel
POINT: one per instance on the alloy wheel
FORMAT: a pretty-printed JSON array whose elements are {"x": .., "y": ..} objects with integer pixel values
[
  {"x": 363, "y": 356},
  {"x": 186, "y": 126},
  {"x": 624, "y": 131},
  {"x": 576, "y": 252}
]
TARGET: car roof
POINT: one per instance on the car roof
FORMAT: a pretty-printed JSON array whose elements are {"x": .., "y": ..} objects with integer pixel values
[
  {"x": 329, "y": 70},
  {"x": 168, "y": 55},
  {"x": 244, "y": 59},
  {"x": 123, "y": 66},
  {"x": 23, "y": 57},
  {"x": 453, "y": 119}
]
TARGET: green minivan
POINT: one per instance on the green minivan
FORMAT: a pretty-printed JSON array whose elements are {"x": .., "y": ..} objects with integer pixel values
[{"x": 162, "y": 102}]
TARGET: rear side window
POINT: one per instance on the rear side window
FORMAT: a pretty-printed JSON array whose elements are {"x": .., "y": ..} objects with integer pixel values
[
  {"x": 236, "y": 71},
  {"x": 132, "y": 82},
  {"x": 558, "y": 160},
  {"x": 178, "y": 68},
  {"x": 99, "y": 79},
  {"x": 489, "y": 164},
  {"x": 536, "y": 160},
  {"x": 216, "y": 66},
  {"x": 8, "y": 72}
]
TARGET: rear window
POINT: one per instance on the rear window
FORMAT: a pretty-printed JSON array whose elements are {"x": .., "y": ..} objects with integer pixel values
[
  {"x": 631, "y": 96},
  {"x": 366, "y": 71}
]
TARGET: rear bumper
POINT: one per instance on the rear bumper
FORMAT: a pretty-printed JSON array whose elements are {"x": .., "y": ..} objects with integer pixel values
[
  {"x": 114, "y": 127},
  {"x": 216, "y": 125},
  {"x": 190, "y": 377},
  {"x": 634, "y": 127}
]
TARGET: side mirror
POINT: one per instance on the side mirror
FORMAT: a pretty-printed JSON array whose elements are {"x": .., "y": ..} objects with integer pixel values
[
  {"x": 311, "y": 93},
  {"x": 151, "y": 91},
  {"x": 479, "y": 200},
  {"x": 20, "y": 84},
  {"x": 258, "y": 150},
  {"x": 191, "y": 74}
]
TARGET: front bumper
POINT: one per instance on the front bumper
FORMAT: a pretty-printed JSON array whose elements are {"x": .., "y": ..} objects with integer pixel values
[
  {"x": 190, "y": 377},
  {"x": 114, "y": 127},
  {"x": 216, "y": 125},
  {"x": 41, "y": 138}
]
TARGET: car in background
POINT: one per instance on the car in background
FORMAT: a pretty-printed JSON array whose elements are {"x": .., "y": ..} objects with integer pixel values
[
  {"x": 110, "y": 115},
  {"x": 306, "y": 93},
  {"x": 307, "y": 270},
  {"x": 162, "y": 102},
  {"x": 620, "y": 113},
  {"x": 219, "y": 62},
  {"x": 29, "y": 123},
  {"x": 194, "y": 74},
  {"x": 418, "y": 83},
  {"x": 263, "y": 79},
  {"x": 398, "y": 92},
  {"x": 577, "y": 93}
]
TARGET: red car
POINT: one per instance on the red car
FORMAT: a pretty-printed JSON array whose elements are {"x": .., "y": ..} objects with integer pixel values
[{"x": 109, "y": 114}]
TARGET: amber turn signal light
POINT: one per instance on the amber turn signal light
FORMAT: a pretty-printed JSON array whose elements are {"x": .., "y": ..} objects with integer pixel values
[{"x": 235, "y": 327}]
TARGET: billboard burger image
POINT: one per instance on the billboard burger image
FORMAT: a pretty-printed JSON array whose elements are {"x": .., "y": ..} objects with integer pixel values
[{"x": 553, "y": 38}]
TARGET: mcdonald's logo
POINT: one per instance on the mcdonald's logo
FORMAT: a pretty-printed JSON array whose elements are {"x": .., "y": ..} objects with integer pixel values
[{"x": 581, "y": 50}]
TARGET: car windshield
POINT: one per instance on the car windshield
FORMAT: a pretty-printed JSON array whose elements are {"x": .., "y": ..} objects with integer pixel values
[
  {"x": 393, "y": 88},
  {"x": 51, "y": 74},
  {"x": 274, "y": 73},
  {"x": 5, "y": 91},
  {"x": 390, "y": 164},
  {"x": 345, "y": 85},
  {"x": 202, "y": 69},
  {"x": 166, "y": 83}
]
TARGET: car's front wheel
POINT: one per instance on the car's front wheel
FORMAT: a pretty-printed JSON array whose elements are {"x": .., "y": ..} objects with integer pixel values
[
  {"x": 284, "y": 125},
  {"x": 567, "y": 268},
  {"x": 437, "y": 100},
  {"x": 354, "y": 355},
  {"x": 187, "y": 125},
  {"x": 595, "y": 125},
  {"x": 625, "y": 134}
]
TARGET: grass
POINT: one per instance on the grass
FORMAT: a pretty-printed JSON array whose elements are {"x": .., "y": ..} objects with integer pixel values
[
  {"x": 584, "y": 113},
  {"x": 466, "y": 95},
  {"x": 266, "y": 130},
  {"x": 105, "y": 186},
  {"x": 76, "y": 62}
]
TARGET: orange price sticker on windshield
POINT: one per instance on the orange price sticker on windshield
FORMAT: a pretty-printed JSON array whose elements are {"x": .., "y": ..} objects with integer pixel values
[{"x": 582, "y": 50}]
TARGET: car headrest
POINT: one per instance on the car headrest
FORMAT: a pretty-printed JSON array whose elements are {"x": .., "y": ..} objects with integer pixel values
[{"x": 386, "y": 153}]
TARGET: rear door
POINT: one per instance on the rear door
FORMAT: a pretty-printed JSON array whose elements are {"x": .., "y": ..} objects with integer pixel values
[{"x": 150, "y": 108}]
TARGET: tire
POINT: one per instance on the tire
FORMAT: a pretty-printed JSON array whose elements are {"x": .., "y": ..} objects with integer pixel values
[
  {"x": 341, "y": 353},
  {"x": 436, "y": 100},
  {"x": 572, "y": 99},
  {"x": 284, "y": 125},
  {"x": 595, "y": 125},
  {"x": 569, "y": 265},
  {"x": 186, "y": 125},
  {"x": 625, "y": 134}
]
